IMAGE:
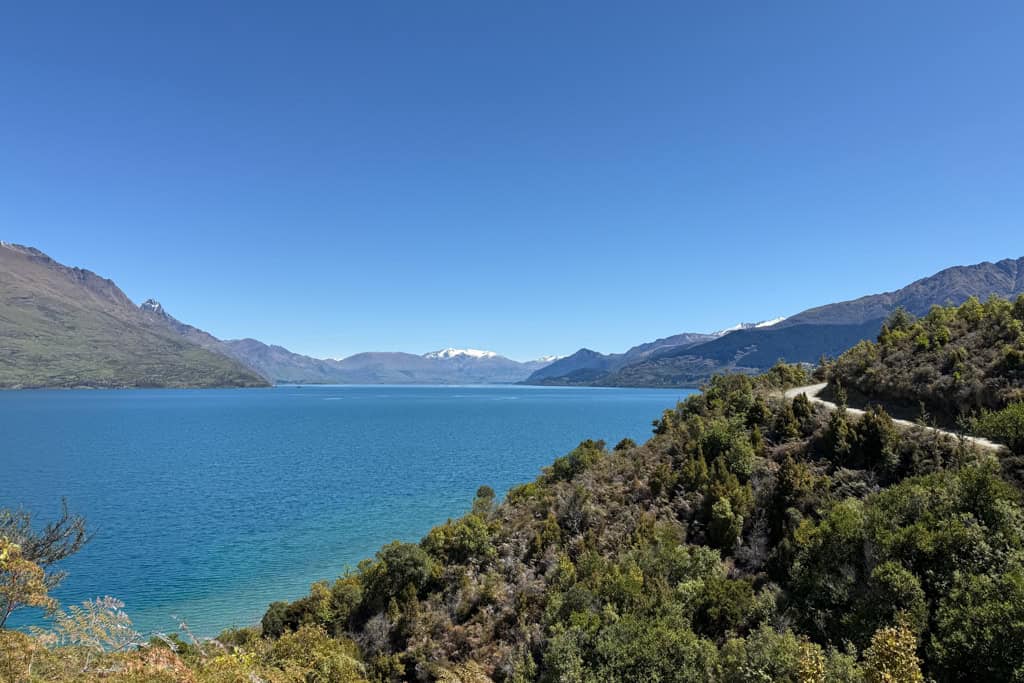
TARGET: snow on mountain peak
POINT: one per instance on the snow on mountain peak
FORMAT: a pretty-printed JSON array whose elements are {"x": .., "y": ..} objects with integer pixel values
[
  {"x": 456, "y": 353},
  {"x": 748, "y": 326}
]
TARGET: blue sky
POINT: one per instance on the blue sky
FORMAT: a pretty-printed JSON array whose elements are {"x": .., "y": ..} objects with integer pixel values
[{"x": 524, "y": 177}]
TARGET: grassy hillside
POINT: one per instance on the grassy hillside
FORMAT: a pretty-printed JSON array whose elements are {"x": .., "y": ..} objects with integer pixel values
[{"x": 67, "y": 327}]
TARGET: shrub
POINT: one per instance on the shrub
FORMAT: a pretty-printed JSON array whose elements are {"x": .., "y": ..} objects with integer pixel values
[
  {"x": 1005, "y": 426},
  {"x": 323, "y": 659},
  {"x": 398, "y": 566},
  {"x": 892, "y": 657},
  {"x": 578, "y": 460},
  {"x": 464, "y": 540}
]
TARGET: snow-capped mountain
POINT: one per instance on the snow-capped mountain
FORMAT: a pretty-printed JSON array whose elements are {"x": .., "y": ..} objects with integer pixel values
[
  {"x": 748, "y": 326},
  {"x": 459, "y": 353}
]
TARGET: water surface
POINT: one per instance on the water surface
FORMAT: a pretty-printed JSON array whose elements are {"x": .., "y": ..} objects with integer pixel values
[{"x": 209, "y": 504}]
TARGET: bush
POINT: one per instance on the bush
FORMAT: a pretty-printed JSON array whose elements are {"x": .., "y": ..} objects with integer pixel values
[
  {"x": 398, "y": 566},
  {"x": 725, "y": 526},
  {"x": 462, "y": 541},
  {"x": 1005, "y": 426},
  {"x": 980, "y": 627},
  {"x": 323, "y": 659},
  {"x": 578, "y": 460}
]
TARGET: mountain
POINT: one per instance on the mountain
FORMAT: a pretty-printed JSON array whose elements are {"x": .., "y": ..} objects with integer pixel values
[
  {"x": 588, "y": 366},
  {"x": 447, "y": 366},
  {"x": 824, "y": 330},
  {"x": 748, "y": 326},
  {"x": 950, "y": 286},
  {"x": 459, "y": 353},
  {"x": 275, "y": 364},
  {"x": 69, "y": 327},
  {"x": 279, "y": 365}
]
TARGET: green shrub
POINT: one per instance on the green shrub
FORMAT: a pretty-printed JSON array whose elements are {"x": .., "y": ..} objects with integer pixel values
[
  {"x": 578, "y": 460},
  {"x": 1005, "y": 426},
  {"x": 461, "y": 541}
]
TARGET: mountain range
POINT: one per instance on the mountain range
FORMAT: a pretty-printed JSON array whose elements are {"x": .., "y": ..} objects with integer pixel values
[
  {"x": 821, "y": 331},
  {"x": 68, "y": 327}
]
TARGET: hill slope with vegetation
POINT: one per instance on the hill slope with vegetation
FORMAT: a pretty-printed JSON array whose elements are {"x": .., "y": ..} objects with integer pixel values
[
  {"x": 753, "y": 537},
  {"x": 962, "y": 364},
  {"x": 68, "y": 327}
]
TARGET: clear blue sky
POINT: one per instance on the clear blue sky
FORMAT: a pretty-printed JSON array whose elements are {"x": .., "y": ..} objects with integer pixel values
[{"x": 525, "y": 177}]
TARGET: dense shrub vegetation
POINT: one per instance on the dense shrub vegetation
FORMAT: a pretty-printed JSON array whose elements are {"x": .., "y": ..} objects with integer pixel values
[
  {"x": 752, "y": 538},
  {"x": 957, "y": 361}
]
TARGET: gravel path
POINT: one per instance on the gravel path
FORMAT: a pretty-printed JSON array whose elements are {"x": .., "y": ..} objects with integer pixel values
[{"x": 812, "y": 391}]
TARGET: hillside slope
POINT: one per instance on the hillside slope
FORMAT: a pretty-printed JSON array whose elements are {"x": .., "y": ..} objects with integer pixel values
[
  {"x": 957, "y": 361},
  {"x": 754, "y": 537},
  {"x": 68, "y": 327}
]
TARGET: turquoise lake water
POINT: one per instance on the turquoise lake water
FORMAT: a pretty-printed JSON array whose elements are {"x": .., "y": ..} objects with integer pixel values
[{"x": 209, "y": 504}]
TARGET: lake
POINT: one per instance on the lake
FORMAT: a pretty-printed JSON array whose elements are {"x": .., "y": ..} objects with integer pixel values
[{"x": 209, "y": 504}]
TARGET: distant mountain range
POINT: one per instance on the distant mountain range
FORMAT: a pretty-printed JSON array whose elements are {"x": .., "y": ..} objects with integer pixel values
[
  {"x": 68, "y": 327},
  {"x": 281, "y": 366},
  {"x": 805, "y": 337}
]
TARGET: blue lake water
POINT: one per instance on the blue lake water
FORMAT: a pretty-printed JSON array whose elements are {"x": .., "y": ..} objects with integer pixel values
[{"x": 209, "y": 504}]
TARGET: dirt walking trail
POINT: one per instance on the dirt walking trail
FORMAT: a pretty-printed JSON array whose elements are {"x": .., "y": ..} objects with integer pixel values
[{"x": 812, "y": 391}]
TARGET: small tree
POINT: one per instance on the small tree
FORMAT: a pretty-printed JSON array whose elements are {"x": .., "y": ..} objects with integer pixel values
[
  {"x": 892, "y": 657},
  {"x": 22, "y": 582},
  {"x": 483, "y": 503},
  {"x": 899, "y": 320},
  {"x": 56, "y": 541},
  {"x": 725, "y": 526},
  {"x": 1018, "y": 308}
]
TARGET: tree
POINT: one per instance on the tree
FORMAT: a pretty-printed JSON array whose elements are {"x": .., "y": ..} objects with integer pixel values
[
  {"x": 787, "y": 427},
  {"x": 892, "y": 657},
  {"x": 461, "y": 541},
  {"x": 398, "y": 565},
  {"x": 802, "y": 409},
  {"x": 1018, "y": 308},
  {"x": 57, "y": 541},
  {"x": 971, "y": 311},
  {"x": 483, "y": 503},
  {"x": 838, "y": 438},
  {"x": 876, "y": 440},
  {"x": 979, "y": 627},
  {"x": 899, "y": 320},
  {"x": 22, "y": 582},
  {"x": 725, "y": 526}
]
